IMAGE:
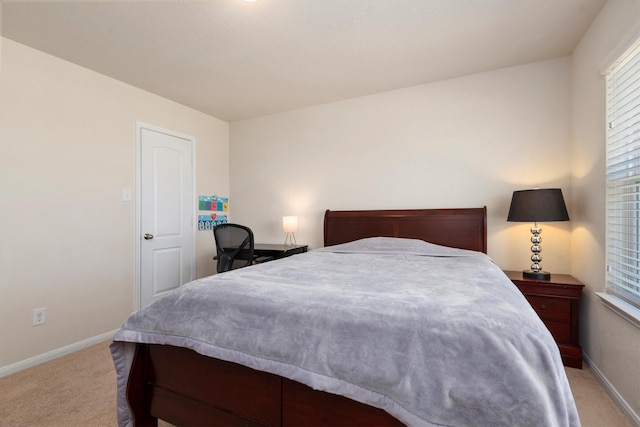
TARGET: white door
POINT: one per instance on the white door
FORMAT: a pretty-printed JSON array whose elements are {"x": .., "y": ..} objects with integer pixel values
[{"x": 166, "y": 228}]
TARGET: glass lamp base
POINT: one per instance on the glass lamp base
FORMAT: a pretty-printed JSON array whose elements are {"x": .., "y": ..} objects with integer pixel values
[{"x": 539, "y": 275}]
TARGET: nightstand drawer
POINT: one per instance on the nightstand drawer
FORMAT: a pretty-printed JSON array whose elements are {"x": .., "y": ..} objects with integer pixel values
[
  {"x": 551, "y": 308},
  {"x": 560, "y": 331}
]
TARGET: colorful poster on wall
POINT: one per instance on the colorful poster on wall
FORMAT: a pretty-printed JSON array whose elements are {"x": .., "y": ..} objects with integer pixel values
[
  {"x": 219, "y": 207},
  {"x": 207, "y": 222},
  {"x": 214, "y": 203}
]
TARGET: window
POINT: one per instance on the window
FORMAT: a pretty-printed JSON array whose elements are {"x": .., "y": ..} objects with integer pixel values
[{"x": 623, "y": 176}]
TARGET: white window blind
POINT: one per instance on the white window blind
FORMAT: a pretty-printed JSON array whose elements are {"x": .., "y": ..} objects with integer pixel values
[{"x": 623, "y": 176}]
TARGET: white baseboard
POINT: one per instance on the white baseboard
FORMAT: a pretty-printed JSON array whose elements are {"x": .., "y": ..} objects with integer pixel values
[
  {"x": 54, "y": 354},
  {"x": 610, "y": 389}
]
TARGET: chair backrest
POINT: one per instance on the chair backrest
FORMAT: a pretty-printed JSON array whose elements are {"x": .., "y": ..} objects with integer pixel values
[{"x": 234, "y": 242}]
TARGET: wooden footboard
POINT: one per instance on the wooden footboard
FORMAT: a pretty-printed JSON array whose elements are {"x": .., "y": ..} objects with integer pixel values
[{"x": 185, "y": 388}]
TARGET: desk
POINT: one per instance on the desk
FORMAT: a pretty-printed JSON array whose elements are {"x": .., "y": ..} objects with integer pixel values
[
  {"x": 276, "y": 250},
  {"x": 269, "y": 252}
]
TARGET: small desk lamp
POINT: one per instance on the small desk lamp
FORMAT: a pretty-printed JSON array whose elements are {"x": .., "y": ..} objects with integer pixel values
[
  {"x": 290, "y": 226},
  {"x": 542, "y": 205}
]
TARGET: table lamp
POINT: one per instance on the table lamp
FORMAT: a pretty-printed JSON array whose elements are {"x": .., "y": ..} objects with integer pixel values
[
  {"x": 539, "y": 205},
  {"x": 290, "y": 226}
]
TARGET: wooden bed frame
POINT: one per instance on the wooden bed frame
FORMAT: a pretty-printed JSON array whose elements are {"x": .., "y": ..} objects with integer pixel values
[
  {"x": 185, "y": 388},
  {"x": 459, "y": 228}
]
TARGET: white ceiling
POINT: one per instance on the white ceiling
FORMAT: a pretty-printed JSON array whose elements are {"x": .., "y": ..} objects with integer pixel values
[{"x": 236, "y": 60}]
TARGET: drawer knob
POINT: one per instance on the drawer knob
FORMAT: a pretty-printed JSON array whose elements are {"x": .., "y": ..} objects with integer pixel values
[{"x": 543, "y": 307}]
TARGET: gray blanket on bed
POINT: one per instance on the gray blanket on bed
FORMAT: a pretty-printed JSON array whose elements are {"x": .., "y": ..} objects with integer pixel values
[{"x": 432, "y": 335}]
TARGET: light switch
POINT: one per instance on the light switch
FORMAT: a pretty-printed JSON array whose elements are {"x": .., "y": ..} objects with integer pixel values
[{"x": 126, "y": 194}]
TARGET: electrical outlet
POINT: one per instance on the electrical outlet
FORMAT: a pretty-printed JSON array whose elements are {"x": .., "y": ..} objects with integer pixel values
[{"x": 39, "y": 316}]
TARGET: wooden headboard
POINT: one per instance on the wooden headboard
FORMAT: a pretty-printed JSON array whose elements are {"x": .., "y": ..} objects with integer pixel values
[{"x": 459, "y": 228}]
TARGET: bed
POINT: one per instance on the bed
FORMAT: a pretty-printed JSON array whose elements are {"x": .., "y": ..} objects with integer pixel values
[{"x": 401, "y": 319}]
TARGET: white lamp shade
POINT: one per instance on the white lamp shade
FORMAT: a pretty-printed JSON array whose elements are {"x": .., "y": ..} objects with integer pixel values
[{"x": 289, "y": 224}]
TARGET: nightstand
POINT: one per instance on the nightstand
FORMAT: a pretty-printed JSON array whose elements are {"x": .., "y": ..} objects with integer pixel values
[{"x": 557, "y": 302}]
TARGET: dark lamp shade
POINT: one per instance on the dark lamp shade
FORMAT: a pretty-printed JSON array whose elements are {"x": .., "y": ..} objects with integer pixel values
[{"x": 543, "y": 205}]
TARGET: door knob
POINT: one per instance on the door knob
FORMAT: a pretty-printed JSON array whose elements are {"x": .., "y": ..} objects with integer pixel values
[{"x": 148, "y": 236}]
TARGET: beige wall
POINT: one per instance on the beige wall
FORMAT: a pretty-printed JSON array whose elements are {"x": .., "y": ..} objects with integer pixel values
[
  {"x": 67, "y": 149},
  {"x": 611, "y": 343},
  {"x": 465, "y": 142}
]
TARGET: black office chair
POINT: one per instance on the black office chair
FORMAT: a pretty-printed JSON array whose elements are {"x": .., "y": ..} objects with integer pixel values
[{"x": 234, "y": 247}]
